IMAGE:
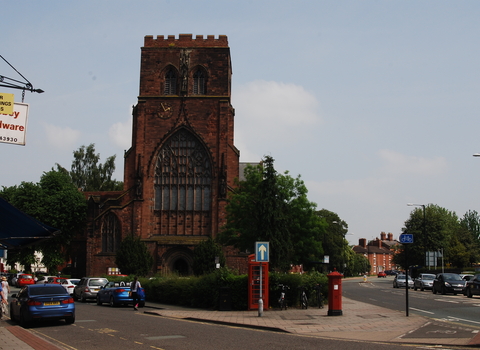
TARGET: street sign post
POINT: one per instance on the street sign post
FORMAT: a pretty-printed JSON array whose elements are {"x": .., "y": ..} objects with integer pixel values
[
  {"x": 406, "y": 239},
  {"x": 262, "y": 251},
  {"x": 262, "y": 254}
]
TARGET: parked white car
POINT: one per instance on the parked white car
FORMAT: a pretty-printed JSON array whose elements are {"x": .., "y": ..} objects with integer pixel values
[
  {"x": 68, "y": 284},
  {"x": 44, "y": 279}
]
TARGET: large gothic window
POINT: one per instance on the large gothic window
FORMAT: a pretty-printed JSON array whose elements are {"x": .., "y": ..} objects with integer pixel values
[
  {"x": 199, "y": 82},
  {"x": 170, "y": 82},
  {"x": 183, "y": 174},
  {"x": 111, "y": 233}
]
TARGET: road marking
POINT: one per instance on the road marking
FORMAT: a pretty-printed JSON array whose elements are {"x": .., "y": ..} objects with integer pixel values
[
  {"x": 427, "y": 312},
  {"x": 447, "y": 301},
  {"x": 54, "y": 340},
  {"x": 453, "y": 319},
  {"x": 165, "y": 337}
]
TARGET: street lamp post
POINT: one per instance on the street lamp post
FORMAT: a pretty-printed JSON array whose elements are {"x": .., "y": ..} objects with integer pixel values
[{"x": 423, "y": 230}]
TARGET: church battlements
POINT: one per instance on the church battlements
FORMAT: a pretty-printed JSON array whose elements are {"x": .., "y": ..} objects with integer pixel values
[{"x": 186, "y": 40}]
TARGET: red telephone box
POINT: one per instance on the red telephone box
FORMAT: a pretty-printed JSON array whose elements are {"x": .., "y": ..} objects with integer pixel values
[{"x": 254, "y": 283}]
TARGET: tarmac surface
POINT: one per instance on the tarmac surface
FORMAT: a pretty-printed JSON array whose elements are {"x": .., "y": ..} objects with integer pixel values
[{"x": 358, "y": 321}]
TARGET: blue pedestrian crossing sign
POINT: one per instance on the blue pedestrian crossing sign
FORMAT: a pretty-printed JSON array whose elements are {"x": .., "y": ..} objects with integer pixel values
[
  {"x": 406, "y": 238},
  {"x": 262, "y": 251}
]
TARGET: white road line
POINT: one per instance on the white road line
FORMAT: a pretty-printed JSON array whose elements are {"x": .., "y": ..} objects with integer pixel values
[
  {"x": 453, "y": 319},
  {"x": 447, "y": 301},
  {"x": 427, "y": 312}
]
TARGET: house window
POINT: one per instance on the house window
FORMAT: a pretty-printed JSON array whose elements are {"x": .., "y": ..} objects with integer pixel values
[
  {"x": 170, "y": 82},
  {"x": 199, "y": 82},
  {"x": 111, "y": 234},
  {"x": 183, "y": 174}
]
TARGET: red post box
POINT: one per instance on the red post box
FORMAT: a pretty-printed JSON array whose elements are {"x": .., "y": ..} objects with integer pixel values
[
  {"x": 254, "y": 283},
  {"x": 335, "y": 293}
]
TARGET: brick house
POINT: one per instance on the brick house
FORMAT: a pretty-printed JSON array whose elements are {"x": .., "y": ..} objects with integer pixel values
[
  {"x": 181, "y": 165},
  {"x": 379, "y": 252}
]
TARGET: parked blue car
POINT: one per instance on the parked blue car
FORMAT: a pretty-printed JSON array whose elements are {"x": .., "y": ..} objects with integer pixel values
[
  {"x": 118, "y": 293},
  {"x": 42, "y": 302}
]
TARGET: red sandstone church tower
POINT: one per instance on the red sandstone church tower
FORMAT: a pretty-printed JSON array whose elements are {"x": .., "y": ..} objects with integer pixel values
[{"x": 182, "y": 161}]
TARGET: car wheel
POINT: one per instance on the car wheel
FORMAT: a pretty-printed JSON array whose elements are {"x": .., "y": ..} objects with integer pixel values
[
  {"x": 422, "y": 289},
  {"x": 82, "y": 298},
  {"x": 70, "y": 320},
  {"x": 434, "y": 291},
  {"x": 99, "y": 302},
  {"x": 112, "y": 302},
  {"x": 74, "y": 296},
  {"x": 141, "y": 304},
  {"x": 469, "y": 293},
  {"x": 443, "y": 290},
  {"x": 414, "y": 287}
]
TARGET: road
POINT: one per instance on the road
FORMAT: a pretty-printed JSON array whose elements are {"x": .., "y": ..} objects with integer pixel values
[
  {"x": 104, "y": 327},
  {"x": 380, "y": 291}
]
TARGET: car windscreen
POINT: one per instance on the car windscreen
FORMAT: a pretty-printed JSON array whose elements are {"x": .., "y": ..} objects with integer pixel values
[
  {"x": 452, "y": 277},
  {"x": 47, "y": 290},
  {"x": 98, "y": 282},
  {"x": 428, "y": 277}
]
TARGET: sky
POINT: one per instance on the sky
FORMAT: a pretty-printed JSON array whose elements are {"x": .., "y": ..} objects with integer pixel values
[{"x": 373, "y": 103}]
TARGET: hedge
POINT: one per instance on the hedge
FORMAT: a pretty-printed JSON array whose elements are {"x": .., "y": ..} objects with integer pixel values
[{"x": 204, "y": 291}]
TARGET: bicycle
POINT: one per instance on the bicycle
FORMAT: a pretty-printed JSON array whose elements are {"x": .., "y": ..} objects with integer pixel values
[
  {"x": 318, "y": 290},
  {"x": 282, "y": 300},
  {"x": 303, "y": 298}
]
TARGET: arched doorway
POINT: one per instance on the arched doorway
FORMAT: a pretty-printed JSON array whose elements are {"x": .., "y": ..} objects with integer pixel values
[{"x": 179, "y": 260}]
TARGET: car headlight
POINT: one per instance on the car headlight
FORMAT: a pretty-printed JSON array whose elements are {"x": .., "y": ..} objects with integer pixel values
[{"x": 447, "y": 284}]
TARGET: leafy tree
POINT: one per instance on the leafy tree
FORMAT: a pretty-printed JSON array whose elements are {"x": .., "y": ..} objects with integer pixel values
[
  {"x": 204, "y": 257},
  {"x": 273, "y": 207},
  {"x": 56, "y": 202},
  {"x": 443, "y": 231},
  {"x": 90, "y": 175},
  {"x": 471, "y": 221},
  {"x": 25, "y": 257},
  {"x": 334, "y": 243},
  {"x": 133, "y": 257}
]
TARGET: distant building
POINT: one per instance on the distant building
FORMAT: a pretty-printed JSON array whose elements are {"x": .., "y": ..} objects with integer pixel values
[{"x": 379, "y": 252}]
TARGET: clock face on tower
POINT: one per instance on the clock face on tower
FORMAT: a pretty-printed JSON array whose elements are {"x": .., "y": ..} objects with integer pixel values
[{"x": 165, "y": 111}]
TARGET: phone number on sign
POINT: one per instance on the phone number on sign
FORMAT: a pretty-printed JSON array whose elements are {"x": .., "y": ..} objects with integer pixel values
[{"x": 8, "y": 139}]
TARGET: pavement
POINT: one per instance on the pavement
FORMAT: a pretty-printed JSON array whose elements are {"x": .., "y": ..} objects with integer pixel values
[{"x": 358, "y": 321}]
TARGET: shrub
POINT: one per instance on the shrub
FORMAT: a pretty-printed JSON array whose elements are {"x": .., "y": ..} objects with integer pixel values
[{"x": 294, "y": 281}]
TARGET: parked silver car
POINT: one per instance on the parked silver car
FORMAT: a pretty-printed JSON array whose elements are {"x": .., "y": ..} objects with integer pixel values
[
  {"x": 423, "y": 281},
  {"x": 88, "y": 288},
  {"x": 400, "y": 281}
]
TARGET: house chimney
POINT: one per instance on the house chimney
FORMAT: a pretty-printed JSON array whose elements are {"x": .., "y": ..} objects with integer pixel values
[
  {"x": 383, "y": 236},
  {"x": 362, "y": 242},
  {"x": 390, "y": 236}
]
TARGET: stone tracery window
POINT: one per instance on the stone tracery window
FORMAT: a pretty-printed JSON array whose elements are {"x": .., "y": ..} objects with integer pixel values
[
  {"x": 183, "y": 174},
  {"x": 170, "y": 82},
  {"x": 199, "y": 79},
  {"x": 111, "y": 233}
]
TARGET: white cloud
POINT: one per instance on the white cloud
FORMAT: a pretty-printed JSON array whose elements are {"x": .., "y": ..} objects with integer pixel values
[
  {"x": 61, "y": 138},
  {"x": 266, "y": 111},
  {"x": 121, "y": 134}
]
